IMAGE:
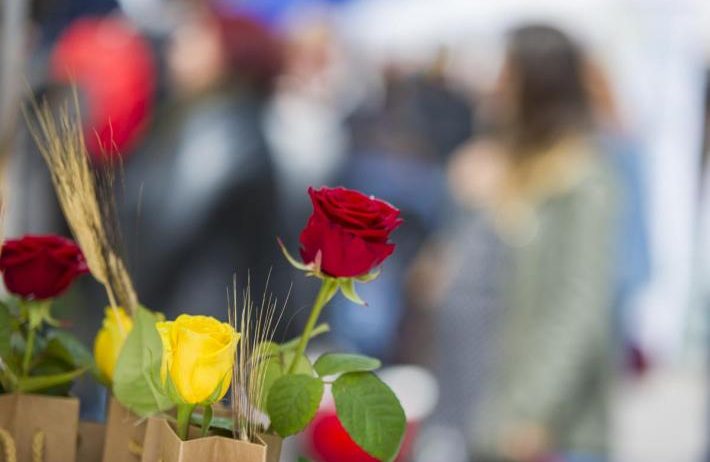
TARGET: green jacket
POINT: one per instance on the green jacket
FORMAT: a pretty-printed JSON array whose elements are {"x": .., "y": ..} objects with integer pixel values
[{"x": 554, "y": 355}]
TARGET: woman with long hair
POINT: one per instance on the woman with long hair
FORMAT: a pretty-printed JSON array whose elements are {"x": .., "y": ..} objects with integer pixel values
[{"x": 531, "y": 271}]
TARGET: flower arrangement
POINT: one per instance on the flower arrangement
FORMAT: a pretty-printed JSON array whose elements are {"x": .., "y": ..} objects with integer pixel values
[
  {"x": 36, "y": 355},
  {"x": 175, "y": 372}
]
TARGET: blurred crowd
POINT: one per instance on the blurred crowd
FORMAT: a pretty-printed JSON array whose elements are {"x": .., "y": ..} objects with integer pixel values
[{"x": 526, "y": 234}]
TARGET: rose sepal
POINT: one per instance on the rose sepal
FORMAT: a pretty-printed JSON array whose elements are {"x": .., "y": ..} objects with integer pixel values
[
  {"x": 347, "y": 288},
  {"x": 170, "y": 390},
  {"x": 311, "y": 269},
  {"x": 371, "y": 276},
  {"x": 185, "y": 410},
  {"x": 295, "y": 263},
  {"x": 345, "y": 285},
  {"x": 37, "y": 312},
  {"x": 216, "y": 394}
]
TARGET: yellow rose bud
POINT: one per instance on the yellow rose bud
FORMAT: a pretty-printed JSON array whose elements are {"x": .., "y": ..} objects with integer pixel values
[
  {"x": 198, "y": 354},
  {"x": 110, "y": 339}
]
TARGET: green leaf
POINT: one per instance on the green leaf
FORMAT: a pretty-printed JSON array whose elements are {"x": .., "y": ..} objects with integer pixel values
[
  {"x": 338, "y": 363},
  {"x": 137, "y": 367},
  {"x": 42, "y": 382},
  {"x": 5, "y": 331},
  {"x": 64, "y": 346},
  {"x": 347, "y": 287},
  {"x": 218, "y": 422},
  {"x": 48, "y": 366},
  {"x": 275, "y": 366},
  {"x": 370, "y": 413},
  {"x": 293, "y": 402}
]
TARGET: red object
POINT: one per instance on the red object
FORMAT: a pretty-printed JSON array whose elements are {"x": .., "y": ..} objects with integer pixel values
[
  {"x": 350, "y": 230},
  {"x": 113, "y": 66},
  {"x": 40, "y": 267},
  {"x": 331, "y": 443},
  {"x": 252, "y": 50},
  {"x": 637, "y": 360}
]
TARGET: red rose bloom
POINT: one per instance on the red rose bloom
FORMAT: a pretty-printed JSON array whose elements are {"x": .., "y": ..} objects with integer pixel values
[
  {"x": 39, "y": 267},
  {"x": 350, "y": 229}
]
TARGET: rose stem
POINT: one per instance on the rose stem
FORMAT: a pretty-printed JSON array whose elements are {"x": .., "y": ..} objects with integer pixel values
[
  {"x": 35, "y": 313},
  {"x": 328, "y": 288},
  {"x": 184, "y": 411},
  {"x": 29, "y": 346}
]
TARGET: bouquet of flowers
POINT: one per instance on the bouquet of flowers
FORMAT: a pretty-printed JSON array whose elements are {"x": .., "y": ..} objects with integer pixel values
[
  {"x": 344, "y": 242},
  {"x": 175, "y": 373}
]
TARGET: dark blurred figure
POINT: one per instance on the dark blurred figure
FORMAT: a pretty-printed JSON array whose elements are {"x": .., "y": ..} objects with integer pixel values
[
  {"x": 525, "y": 328},
  {"x": 201, "y": 195},
  {"x": 399, "y": 148}
]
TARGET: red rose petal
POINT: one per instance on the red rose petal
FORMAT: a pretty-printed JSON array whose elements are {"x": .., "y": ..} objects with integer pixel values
[{"x": 40, "y": 267}]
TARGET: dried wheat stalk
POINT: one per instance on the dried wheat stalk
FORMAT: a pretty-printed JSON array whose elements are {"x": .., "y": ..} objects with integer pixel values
[
  {"x": 257, "y": 325},
  {"x": 86, "y": 198}
]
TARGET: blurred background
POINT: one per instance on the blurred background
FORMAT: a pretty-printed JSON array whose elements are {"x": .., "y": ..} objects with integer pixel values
[{"x": 548, "y": 299}]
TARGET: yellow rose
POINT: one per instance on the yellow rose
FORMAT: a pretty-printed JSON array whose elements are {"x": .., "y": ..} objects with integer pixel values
[
  {"x": 110, "y": 339},
  {"x": 198, "y": 353}
]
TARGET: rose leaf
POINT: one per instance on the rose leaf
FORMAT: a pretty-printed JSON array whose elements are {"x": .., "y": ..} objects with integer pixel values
[
  {"x": 370, "y": 413},
  {"x": 293, "y": 402}
]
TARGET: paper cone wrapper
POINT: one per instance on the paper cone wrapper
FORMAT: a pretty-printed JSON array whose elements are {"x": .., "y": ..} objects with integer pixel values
[
  {"x": 273, "y": 447},
  {"x": 163, "y": 445},
  {"x": 42, "y": 428},
  {"x": 125, "y": 433}
]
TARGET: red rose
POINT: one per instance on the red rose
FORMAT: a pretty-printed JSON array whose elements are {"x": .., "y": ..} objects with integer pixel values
[
  {"x": 39, "y": 267},
  {"x": 350, "y": 229}
]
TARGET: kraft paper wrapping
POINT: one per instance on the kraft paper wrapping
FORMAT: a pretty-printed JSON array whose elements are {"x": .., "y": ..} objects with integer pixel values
[
  {"x": 43, "y": 428},
  {"x": 125, "y": 433},
  {"x": 163, "y": 445}
]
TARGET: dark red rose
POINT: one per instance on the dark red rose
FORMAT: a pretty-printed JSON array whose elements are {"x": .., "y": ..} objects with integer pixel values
[
  {"x": 39, "y": 267},
  {"x": 350, "y": 229}
]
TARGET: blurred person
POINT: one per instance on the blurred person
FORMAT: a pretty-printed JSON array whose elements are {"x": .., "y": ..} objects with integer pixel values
[
  {"x": 525, "y": 326},
  {"x": 200, "y": 196},
  {"x": 304, "y": 119},
  {"x": 305, "y": 130},
  {"x": 399, "y": 145},
  {"x": 632, "y": 261}
]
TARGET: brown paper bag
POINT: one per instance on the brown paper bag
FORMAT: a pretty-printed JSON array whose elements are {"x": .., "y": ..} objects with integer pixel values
[
  {"x": 125, "y": 432},
  {"x": 273, "y": 442},
  {"x": 42, "y": 428},
  {"x": 163, "y": 445},
  {"x": 273, "y": 447},
  {"x": 90, "y": 447}
]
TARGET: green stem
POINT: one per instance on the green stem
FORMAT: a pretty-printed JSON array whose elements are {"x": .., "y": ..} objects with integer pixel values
[
  {"x": 184, "y": 411},
  {"x": 37, "y": 312},
  {"x": 29, "y": 346},
  {"x": 206, "y": 420},
  {"x": 328, "y": 289}
]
